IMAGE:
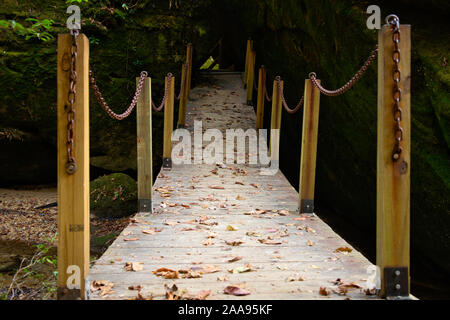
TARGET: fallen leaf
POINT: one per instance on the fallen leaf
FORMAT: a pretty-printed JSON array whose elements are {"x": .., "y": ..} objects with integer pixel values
[
  {"x": 310, "y": 243},
  {"x": 131, "y": 239},
  {"x": 245, "y": 268},
  {"x": 105, "y": 287},
  {"x": 166, "y": 273},
  {"x": 138, "y": 288},
  {"x": 236, "y": 291},
  {"x": 324, "y": 292},
  {"x": 202, "y": 295},
  {"x": 209, "y": 269},
  {"x": 344, "y": 250},
  {"x": 217, "y": 187},
  {"x": 283, "y": 212},
  {"x": 134, "y": 266},
  {"x": 234, "y": 243},
  {"x": 208, "y": 242},
  {"x": 231, "y": 228},
  {"x": 235, "y": 259},
  {"x": 270, "y": 242},
  {"x": 239, "y": 197},
  {"x": 151, "y": 231}
]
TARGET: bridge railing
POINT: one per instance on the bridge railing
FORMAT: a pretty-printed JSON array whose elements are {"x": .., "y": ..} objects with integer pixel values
[
  {"x": 74, "y": 78},
  {"x": 393, "y": 144}
]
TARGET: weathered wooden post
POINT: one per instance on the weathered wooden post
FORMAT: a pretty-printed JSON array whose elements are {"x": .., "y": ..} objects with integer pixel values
[
  {"x": 247, "y": 59},
  {"x": 183, "y": 99},
  {"x": 73, "y": 168},
  {"x": 190, "y": 52},
  {"x": 275, "y": 123},
  {"x": 261, "y": 96},
  {"x": 251, "y": 77},
  {"x": 394, "y": 161},
  {"x": 168, "y": 124},
  {"x": 309, "y": 147},
  {"x": 144, "y": 147}
]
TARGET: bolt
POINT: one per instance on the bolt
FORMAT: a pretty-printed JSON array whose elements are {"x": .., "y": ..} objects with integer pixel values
[
  {"x": 397, "y": 286},
  {"x": 397, "y": 273}
]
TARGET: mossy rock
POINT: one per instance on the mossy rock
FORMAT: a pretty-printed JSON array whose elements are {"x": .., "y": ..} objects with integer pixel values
[{"x": 114, "y": 196}]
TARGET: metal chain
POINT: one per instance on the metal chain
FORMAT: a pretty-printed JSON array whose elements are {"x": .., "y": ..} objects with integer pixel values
[
  {"x": 105, "y": 106},
  {"x": 71, "y": 166},
  {"x": 183, "y": 80},
  {"x": 351, "y": 82},
  {"x": 280, "y": 91},
  {"x": 269, "y": 99},
  {"x": 166, "y": 93},
  {"x": 397, "y": 92}
]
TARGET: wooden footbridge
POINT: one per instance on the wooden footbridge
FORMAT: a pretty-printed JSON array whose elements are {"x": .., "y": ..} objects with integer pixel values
[{"x": 227, "y": 230}]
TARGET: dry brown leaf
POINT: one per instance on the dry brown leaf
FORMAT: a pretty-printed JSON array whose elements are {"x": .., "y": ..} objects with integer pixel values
[
  {"x": 208, "y": 242},
  {"x": 236, "y": 291},
  {"x": 310, "y": 243},
  {"x": 234, "y": 243},
  {"x": 131, "y": 239},
  {"x": 209, "y": 269},
  {"x": 134, "y": 266},
  {"x": 166, "y": 273},
  {"x": 270, "y": 242},
  {"x": 239, "y": 197},
  {"x": 105, "y": 287},
  {"x": 344, "y": 250},
  {"x": 283, "y": 212},
  {"x": 217, "y": 187},
  {"x": 324, "y": 292},
  {"x": 151, "y": 231},
  {"x": 135, "y": 288},
  {"x": 235, "y": 259}
]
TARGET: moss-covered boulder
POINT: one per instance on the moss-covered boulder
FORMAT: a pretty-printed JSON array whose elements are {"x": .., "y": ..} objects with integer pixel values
[{"x": 114, "y": 196}]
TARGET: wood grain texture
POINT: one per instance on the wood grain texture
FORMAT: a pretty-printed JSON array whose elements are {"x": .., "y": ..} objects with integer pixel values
[
  {"x": 310, "y": 131},
  {"x": 182, "y": 101},
  {"x": 144, "y": 141},
  {"x": 251, "y": 76},
  {"x": 168, "y": 119},
  {"x": 73, "y": 190},
  {"x": 393, "y": 185},
  {"x": 261, "y": 100},
  {"x": 223, "y": 196}
]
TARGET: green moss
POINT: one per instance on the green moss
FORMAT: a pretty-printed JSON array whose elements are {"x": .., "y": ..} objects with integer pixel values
[{"x": 114, "y": 195}]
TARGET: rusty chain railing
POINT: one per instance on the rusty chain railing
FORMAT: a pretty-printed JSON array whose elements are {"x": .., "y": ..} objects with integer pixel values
[
  {"x": 313, "y": 77},
  {"x": 105, "y": 106},
  {"x": 166, "y": 91}
]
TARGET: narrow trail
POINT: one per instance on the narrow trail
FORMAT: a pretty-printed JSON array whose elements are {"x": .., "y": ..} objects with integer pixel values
[{"x": 206, "y": 216}]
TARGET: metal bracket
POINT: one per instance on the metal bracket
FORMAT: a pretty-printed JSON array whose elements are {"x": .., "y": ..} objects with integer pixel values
[
  {"x": 396, "y": 282},
  {"x": 145, "y": 205},
  {"x": 167, "y": 163},
  {"x": 307, "y": 206},
  {"x": 68, "y": 294}
]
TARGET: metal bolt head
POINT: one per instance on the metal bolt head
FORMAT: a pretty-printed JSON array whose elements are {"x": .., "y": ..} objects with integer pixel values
[
  {"x": 71, "y": 168},
  {"x": 397, "y": 273},
  {"x": 398, "y": 287}
]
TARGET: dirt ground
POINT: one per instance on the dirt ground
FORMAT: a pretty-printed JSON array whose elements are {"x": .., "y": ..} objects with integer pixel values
[{"x": 26, "y": 230}]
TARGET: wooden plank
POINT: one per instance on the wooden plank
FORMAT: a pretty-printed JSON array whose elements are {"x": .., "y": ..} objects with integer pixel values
[
  {"x": 261, "y": 99},
  {"x": 73, "y": 190},
  {"x": 168, "y": 124},
  {"x": 144, "y": 147},
  {"x": 176, "y": 248},
  {"x": 309, "y": 147},
  {"x": 183, "y": 98},
  {"x": 393, "y": 178}
]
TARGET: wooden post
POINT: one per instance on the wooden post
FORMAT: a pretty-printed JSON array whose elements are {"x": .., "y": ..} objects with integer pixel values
[
  {"x": 190, "y": 52},
  {"x": 275, "y": 123},
  {"x": 247, "y": 59},
  {"x": 73, "y": 190},
  {"x": 309, "y": 147},
  {"x": 168, "y": 125},
  {"x": 144, "y": 147},
  {"x": 182, "y": 103},
  {"x": 393, "y": 177},
  {"x": 260, "y": 101},
  {"x": 251, "y": 77}
]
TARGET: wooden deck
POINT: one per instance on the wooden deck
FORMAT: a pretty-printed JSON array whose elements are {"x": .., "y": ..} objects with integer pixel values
[{"x": 290, "y": 256}]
